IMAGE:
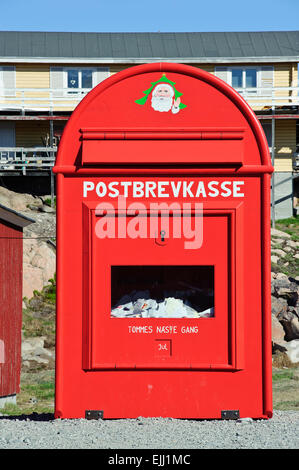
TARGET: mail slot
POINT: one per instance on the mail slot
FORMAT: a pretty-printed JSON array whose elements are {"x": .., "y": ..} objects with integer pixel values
[{"x": 163, "y": 251}]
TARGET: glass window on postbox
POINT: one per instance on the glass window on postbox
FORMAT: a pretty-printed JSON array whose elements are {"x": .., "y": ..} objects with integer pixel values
[{"x": 162, "y": 291}]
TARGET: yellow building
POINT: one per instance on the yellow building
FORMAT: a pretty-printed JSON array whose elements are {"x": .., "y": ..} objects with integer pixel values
[{"x": 43, "y": 76}]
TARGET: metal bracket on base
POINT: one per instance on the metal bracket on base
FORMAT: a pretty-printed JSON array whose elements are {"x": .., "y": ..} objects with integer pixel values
[
  {"x": 94, "y": 414},
  {"x": 230, "y": 414}
]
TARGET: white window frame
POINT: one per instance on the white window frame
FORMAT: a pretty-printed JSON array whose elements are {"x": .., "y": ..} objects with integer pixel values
[
  {"x": 244, "y": 68},
  {"x": 72, "y": 91},
  {"x": 260, "y": 90},
  {"x": 12, "y": 93}
]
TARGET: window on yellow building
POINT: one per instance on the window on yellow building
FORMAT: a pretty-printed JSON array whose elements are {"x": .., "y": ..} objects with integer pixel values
[
  {"x": 248, "y": 79},
  {"x": 79, "y": 78},
  {"x": 73, "y": 80}
]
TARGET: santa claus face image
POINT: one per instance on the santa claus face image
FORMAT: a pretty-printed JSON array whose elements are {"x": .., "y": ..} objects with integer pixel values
[
  {"x": 162, "y": 96},
  {"x": 163, "y": 99}
]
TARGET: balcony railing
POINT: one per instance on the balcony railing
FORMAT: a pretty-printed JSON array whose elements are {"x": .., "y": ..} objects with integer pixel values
[
  {"x": 66, "y": 99},
  {"x": 41, "y": 99},
  {"x": 21, "y": 159},
  {"x": 274, "y": 96}
]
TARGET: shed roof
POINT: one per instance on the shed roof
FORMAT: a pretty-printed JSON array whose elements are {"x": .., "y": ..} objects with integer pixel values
[
  {"x": 14, "y": 217},
  {"x": 140, "y": 47}
]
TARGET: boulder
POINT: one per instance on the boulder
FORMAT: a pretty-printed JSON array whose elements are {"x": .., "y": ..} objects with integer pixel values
[
  {"x": 39, "y": 265},
  {"x": 17, "y": 201},
  {"x": 292, "y": 350},
  {"x": 278, "y": 252},
  {"x": 292, "y": 244},
  {"x": 29, "y": 345},
  {"x": 47, "y": 209},
  {"x": 290, "y": 323},
  {"x": 284, "y": 308},
  {"x": 277, "y": 331},
  {"x": 279, "y": 306},
  {"x": 285, "y": 288},
  {"x": 35, "y": 355},
  {"x": 32, "y": 280},
  {"x": 279, "y": 233},
  {"x": 277, "y": 241},
  {"x": 281, "y": 276}
]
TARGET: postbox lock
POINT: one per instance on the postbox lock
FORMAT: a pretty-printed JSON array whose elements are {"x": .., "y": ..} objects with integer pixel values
[{"x": 160, "y": 239}]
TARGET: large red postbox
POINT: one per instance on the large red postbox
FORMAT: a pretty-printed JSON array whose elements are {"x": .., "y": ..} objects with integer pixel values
[{"x": 163, "y": 261}]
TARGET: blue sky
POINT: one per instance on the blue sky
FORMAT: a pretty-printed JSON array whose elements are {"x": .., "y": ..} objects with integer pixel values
[{"x": 147, "y": 15}]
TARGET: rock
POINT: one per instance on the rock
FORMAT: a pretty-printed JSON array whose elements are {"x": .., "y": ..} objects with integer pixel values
[
  {"x": 274, "y": 259},
  {"x": 286, "y": 289},
  {"x": 278, "y": 346},
  {"x": 245, "y": 420},
  {"x": 46, "y": 208},
  {"x": 44, "y": 226},
  {"x": 17, "y": 201},
  {"x": 34, "y": 207},
  {"x": 281, "y": 276},
  {"x": 277, "y": 241},
  {"x": 29, "y": 345},
  {"x": 32, "y": 280},
  {"x": 278, "y": 306},
  {"x": 281, "y": 360},
  {"x": 290, "y": 323},
  {"x": 293, "y": 351},
  {"x": 296, "y": 256},
  {"x": 39, "y": 265},
  {"x": 35, "y": 355},
  {"x": 279, "y": 233},
  {"x": 35, "y": 303},
  {"x": 277, "y": 330},
  {"x": 278, "y": 252},
  {"x": 292, "y": 244},
  {"x": 284, "y": 308}
]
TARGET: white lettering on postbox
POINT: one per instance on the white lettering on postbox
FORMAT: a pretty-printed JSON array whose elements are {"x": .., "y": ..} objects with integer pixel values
[{"x": 175, "y": 189}]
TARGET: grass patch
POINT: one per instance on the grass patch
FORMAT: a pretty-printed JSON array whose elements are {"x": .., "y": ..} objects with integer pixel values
[
  {"x": 47, "y": 201},
  {"x": 286, "y": 388},
  {"x": 36, "y": 394},
  {"x": 33, "y": 326},
  {"x": 283, "y": 375},
  {"x": 287, "y": 405},
  {"x": 290, "y": 226},
  {"x": 40, "y": 313}
]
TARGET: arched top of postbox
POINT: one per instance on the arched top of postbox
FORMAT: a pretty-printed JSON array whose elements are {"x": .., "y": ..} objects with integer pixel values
[{"x": 169, "y": 103}]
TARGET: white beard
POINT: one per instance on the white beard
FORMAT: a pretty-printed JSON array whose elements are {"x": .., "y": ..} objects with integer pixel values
[{"x": 161, "y": 104}]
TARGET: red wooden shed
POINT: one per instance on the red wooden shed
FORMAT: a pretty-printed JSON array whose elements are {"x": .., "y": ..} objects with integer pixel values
[{"x": 11, "y": 278}]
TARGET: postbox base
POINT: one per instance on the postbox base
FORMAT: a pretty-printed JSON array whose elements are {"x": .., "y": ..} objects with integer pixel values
[{"x": 166, "y": 394}]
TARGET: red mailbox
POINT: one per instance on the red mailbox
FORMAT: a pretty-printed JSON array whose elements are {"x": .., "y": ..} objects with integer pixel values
[{"x": 163, "y": 262}]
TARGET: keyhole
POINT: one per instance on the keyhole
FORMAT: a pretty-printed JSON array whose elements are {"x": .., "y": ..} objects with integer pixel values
[{"x": 162, "y": 233}]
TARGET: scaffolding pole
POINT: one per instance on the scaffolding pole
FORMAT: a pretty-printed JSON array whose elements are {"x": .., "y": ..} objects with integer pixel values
[
  {"x": 52, "y": 155},
  {"x": 273, "y": 174}
]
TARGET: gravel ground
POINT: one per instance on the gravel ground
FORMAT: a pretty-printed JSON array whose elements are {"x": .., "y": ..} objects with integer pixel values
[{"x": 43, "y": 432}]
